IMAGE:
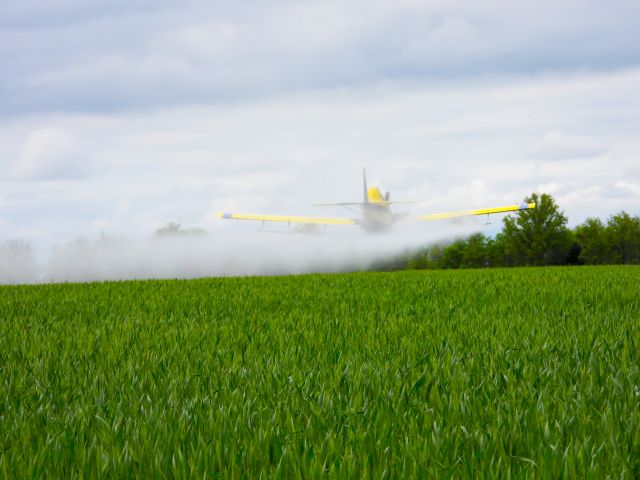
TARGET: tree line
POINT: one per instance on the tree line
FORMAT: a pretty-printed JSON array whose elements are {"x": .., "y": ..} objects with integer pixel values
[{"x": 535, "y": 237}]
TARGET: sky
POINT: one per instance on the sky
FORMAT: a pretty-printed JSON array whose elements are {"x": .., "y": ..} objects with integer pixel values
[{"x": 118, "y": 117}]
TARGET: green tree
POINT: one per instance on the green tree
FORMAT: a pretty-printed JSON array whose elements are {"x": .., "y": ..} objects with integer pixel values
[
  {"x": 419, "y": 260},
  {"x": 623, "y": 238},
  {"x": 537, "y": 236},
  {"x": 435, "y": 255},
  {"x": 573, "y": 251},
  {"x": 496, "y": 252},
  {"x": 452, "y": 255},
  {"x": 475, "y": 252},
  {"x": 592, "y": 238}
]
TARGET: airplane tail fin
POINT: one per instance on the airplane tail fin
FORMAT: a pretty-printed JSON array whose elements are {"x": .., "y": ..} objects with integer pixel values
[
  {"x": 370, "y": 196},
  {"x": 364, "y": 184}
]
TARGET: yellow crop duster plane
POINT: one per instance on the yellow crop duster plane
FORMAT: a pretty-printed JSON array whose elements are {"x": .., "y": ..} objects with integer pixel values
[{"x": 376, "y": 215}]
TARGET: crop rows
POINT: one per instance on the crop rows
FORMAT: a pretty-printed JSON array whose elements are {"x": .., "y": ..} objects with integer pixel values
[{"x": 495, "y": 373}]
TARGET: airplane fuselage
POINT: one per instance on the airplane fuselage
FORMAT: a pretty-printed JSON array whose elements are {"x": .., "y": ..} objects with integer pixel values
[{"x": 376, "y": 218}]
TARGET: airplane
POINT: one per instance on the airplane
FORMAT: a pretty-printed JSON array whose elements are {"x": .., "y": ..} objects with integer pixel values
[{"x": 376, "y": 214}]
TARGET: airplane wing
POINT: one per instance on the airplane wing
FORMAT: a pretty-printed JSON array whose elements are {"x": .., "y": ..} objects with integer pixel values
[
  {"x": 482, "y": 211},
  {"x": 287, "y": 219}
]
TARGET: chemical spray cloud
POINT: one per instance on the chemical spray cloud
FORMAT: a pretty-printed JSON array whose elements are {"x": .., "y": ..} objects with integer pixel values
[
  {"x": 17, "y": 264},
  {"x": 225, "y": 253}
]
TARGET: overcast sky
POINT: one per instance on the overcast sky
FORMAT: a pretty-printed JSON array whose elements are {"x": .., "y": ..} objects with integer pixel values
[{"x": 119, "y": 116}]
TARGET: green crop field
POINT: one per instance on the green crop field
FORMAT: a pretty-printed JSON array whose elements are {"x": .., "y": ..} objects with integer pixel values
[{"x": 492, "y": 373}]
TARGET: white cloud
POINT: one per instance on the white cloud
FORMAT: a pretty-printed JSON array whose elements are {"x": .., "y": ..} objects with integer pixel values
[
  {"x": 632, "y": 187},
  {"x": 203, "y": 40},
  {"x": 581, "y": 194},
  {"x": 551, "y": 187},
  {"x": 51, "y": 153},
  {"x": 558, "y": 145},
  {"x": 97, "y": 56}
]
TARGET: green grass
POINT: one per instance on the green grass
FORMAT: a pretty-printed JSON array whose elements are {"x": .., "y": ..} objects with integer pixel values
[{"x": 493, "y": 373}]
